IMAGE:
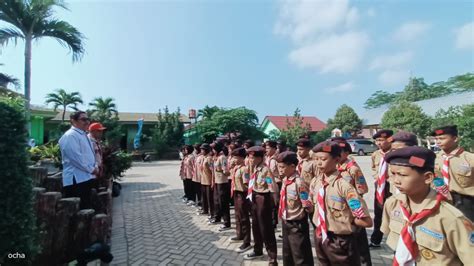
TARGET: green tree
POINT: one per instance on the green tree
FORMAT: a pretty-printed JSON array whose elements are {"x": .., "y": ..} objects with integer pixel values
[
  {"x": 379, "y": 98},
  {"x": 346, "y": 120},
  {"x": 415, "y": 90},
  {"x": 17, "y": 226},
  {"x": 407, "y": 116},
  {"x": 207, "y": 112},
  {"x": 242, "y": 121},
  {"x": 168, "y": 132},
  {"x": 295, "y": 128},
  {"x": 31, "y": 20},
  {"x": 274, "y": 134},
  {"x": 321, "y": 135},
  {"x": 63, "y": 99},
  {"x": 103, "y": 108},
  {"x": 461, "y": 83}
]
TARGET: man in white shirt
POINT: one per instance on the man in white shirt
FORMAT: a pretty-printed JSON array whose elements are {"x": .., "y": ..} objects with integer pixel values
[{"x": 78, "y": 158}]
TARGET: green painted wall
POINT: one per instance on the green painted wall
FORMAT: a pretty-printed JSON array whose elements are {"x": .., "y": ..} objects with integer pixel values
[
  {"x": 268, "y": 126},
  {"x": 37, "y": 129}
]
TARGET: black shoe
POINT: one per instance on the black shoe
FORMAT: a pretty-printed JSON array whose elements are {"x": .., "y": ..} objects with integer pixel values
[
  {"x": 236, "y": 239},
  {"x": 214, "y": 221},
  {"x": 243, "y": 248},
  {"x": 224, "y": 228},
  {"x": 252, "y": 255},
  {"x": 373, "y": 245}
]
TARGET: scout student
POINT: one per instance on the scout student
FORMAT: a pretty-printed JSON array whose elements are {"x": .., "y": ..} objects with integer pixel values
[
  {"x": 189, "y": 161},
  {"x": 261, "y": 185},
  {"x": 197, "y": 177},
  {"x": 281, "y": 146},
  {"x": 247, "y": 145},
  {"x": 455, "y": 167},
  {"x": 382, "y": 184},
  {"x": 270, "y": 161},
  {"x": 306, "y": 167},
  {"x": 422, "y": 227},
  {"x": 222, "y": 195},
  {"x": 182, "y": 175},
  {"x": 295, "y": 205},
  {"x": 206, "y": 181},
  {"x": 351, "y": 172},
  {"x": 339, "y": 210},
  {"x": 240, "y": 179}
]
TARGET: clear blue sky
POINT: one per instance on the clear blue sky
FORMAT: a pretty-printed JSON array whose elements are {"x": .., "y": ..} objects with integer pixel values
[{"x": 270, "y": 56}]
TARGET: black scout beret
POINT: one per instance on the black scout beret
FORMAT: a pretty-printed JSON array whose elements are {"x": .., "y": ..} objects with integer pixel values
[
  {"x": 287, "y": 157},
  {"x": 330, "y": 147},
  {"x": 303, "y": 142},
  {"x": 343, "y": 144},
  {"x": 384, "y": 133},
  {"x": 450, "y": 130},
  {"x": 205, "y": 147},
  {"x": 240, "y": 152},
  {"x": 258, "y": 151},
  {"x": 408, "y": 138},
  {"x": 271, "y": 143},
  {"x": 413, "y": 156}
]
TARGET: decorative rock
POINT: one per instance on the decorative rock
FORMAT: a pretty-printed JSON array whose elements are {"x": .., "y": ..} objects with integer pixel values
[
  {"x": 81, "y": 230},
  {"x": 54, "y": 182},
  {"x": 99, "y": 228},
  {"x": 38, "y": 175}
]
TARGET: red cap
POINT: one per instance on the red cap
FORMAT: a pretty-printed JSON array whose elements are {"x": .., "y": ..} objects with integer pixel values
[{"x": 96, "y": 127}]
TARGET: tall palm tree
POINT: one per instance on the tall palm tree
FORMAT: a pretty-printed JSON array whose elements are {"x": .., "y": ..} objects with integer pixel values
[
  {"x": 32, "y": 20},
  {"x": 64, "y": 99},
  {"x": 207, "y": 112},
  {"x": 103, "y": 108}
]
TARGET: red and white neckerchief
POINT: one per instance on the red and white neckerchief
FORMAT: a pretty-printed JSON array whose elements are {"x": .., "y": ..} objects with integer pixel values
[
  {"x": 407, "y": 249},
  {"x": 282, "y": 207},
  {"x": 299, "y": 168},
  {"x": 321, "y": 226},
  {"x": 232, "y": 184},
  {"x": 252, "y": 183},
  {"x": 445, "y": 168},
  {"x": 381, "y": 179}
]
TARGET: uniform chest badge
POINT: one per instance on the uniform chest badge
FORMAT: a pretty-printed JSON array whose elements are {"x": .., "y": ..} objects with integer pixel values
[
  {"x": 337, "y": 213},
  {"x": 427, "y": 254}
]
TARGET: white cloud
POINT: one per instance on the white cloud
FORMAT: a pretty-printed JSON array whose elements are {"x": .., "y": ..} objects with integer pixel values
[
  {"x": 465, "y": 36},
  {"x": 410, "y": 31},
  {"x": 391, "y": 61},
  {"x": 323, "y": 34},
  {"x": 335, "y": 53},
  {"x": 391, "y": 78},
  {"x": 346, "y": 87}
]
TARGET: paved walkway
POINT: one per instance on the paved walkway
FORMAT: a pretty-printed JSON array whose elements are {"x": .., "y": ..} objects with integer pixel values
[{"x": 153, "y": 227}]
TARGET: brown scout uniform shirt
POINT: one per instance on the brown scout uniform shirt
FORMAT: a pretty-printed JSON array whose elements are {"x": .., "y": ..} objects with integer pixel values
[
  {"x": 308, "y": 169},
  {"x": 220, "y": 166},
  {"x": 264, "y": 180},
  {"x": 296, "y": 195},
  {"x": 354, "y": 176},
  {"x": 376, "y": 156},
  {"x": 189, "y": 166},
  {"x": 461, "y": 172},
  {"x": 206, "y": 170},
  {"x": 197, "y": 166},
  {"x": 272, "y": 165},
  {"x": 342, "y": 200},
  {"x": 241, "y": 178},
  {"x": 446, "y": 237}
]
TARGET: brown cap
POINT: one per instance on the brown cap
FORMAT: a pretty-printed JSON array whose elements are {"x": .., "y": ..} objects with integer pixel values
[
  {"x": 303, "y": 142},
  {"x": 258, "y": 151},
  {"x": 384, "y": 133},
  {"x": 343, "y": 144},
  {"x": 330, "y": 147},
  {"x": 287, "y": 157},
  {"x": 449, "y": 130},
  {"x": 408, "y": 138},
  {"x": 240, "y": 152},
  {"x": 413, "y": 156}
]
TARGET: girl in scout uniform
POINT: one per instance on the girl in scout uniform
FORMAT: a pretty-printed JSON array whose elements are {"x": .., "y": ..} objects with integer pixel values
[
  {"x": 295, "y": 205},
  {"x": 351, "y": 172},
  {"x": 455, "y": 170},
  {"x": 270, "y": 161},
  {"x": 422, "y": 227},
  {"x": 222, "y": 196},
  {"x": 339, "y": 210},
  {"x": 206, "y": 181}
]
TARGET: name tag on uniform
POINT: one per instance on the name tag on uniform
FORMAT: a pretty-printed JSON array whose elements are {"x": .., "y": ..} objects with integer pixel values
[
  {"x": 336, "y": 198},
  {"x": 431, "y": 233}
]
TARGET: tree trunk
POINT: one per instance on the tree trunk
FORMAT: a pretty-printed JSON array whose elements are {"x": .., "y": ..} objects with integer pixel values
[
  {"x": 64, "y": 114},
  {"x": 28, "y": 40}
]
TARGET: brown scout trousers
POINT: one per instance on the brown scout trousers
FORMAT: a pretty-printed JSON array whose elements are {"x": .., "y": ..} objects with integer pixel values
[
  {"x": 242, "y": 216},
  {"x": 197, "y": 188},
  {"x": 276, "y": 196},
  {"x": 296, "y": 243},
  {"x": 464, "y": 203},
  {"x": 337, "y": 250},
  {"x": 207, "y": 199},
  {"x": 363, "y": 246},
  {"x": 262, "y": 227},
  {"x": 377, "y": 235},
  {"x": 221, "y": 203}
]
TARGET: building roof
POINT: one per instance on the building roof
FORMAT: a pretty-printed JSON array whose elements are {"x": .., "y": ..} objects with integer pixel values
[
  {"x": 128, "y": 118},
  {"x": 374, "y": 116},
  {"x": 315, "y": 124}
]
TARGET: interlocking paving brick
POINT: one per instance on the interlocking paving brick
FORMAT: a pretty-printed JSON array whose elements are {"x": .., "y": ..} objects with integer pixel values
[{"x": 153, "y": 227}]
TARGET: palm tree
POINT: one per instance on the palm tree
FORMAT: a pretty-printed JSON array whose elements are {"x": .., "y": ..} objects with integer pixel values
[
  {"x": 64, "y": 99},
  {"x": 32, "y": 20},
  {"x": 103, "y": 108},
  {"x": 207, "y": 112}
]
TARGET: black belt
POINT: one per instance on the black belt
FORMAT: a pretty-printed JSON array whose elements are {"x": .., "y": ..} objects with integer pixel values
[{"x": 461, "y": 198}]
